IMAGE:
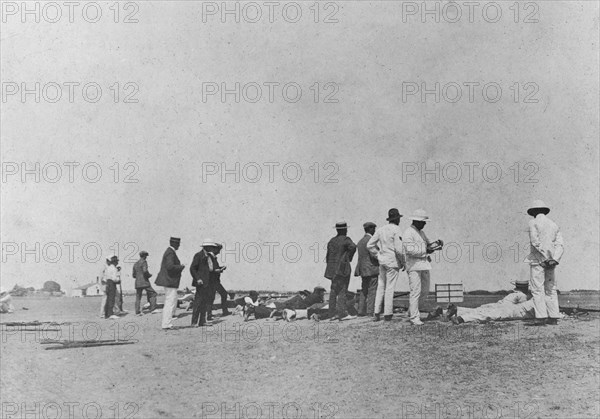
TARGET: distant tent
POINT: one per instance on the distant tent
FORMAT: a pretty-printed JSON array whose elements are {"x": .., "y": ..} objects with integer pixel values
[{"x": 51, "y": 286}]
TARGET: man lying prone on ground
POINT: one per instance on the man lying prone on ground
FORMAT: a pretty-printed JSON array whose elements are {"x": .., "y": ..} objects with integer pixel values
[{"x": 516, "y": 305}]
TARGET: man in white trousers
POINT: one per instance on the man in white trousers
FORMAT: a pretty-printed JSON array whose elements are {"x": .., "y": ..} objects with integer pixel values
[
  {"x": 417, "y": 250},
  {"x": 169, "y": 278},
  {"x": 546, "y": 251},
  {"x": 516, "y": 305},
  {"x": 386, "y": 246}
]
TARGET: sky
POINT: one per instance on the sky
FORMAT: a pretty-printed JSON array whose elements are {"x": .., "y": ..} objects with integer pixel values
[{"x": 171, "y": 118}]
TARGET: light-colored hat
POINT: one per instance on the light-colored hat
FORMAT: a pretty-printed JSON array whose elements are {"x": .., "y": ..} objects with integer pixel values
[
  {"x": 538, "y": 204},
  {"x": 419, "y": 215},
  {"x": 341, "y": 225},
  {"x": 210, "y": 242}
]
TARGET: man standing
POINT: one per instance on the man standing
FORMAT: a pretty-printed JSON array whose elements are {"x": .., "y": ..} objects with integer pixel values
[
  {"x": 215, "y": 280},
  {"x": 141, "y": 276},
  {"x": 201, "y": 281},
  {"x": 417, "y": 249},
  {"x": 386, "y": 246},
  {"x": 340, "y": 251},
  {"x": 169, "y": 278},
  {"x": 112, "y": 279},
  {"x": 546, "y": 251},
  {"x": 367, "y": 268},
  {"x": 103, "y": 288}
]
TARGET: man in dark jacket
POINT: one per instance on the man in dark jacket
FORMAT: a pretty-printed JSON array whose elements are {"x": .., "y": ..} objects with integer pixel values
[
  {"x": 169, "y": 278},
  {"x": 215, "y": 281},
  {"x": 141, "y": 275},
  {"x": 340, "y": 251},
  {"x": 201, "y": 281},
  {"x": 367, "y": 268}
]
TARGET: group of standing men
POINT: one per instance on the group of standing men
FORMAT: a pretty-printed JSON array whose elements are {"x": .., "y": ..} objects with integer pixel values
[
  {"x": 382, "y": 253},
  {"x": 206, "y": 278}
]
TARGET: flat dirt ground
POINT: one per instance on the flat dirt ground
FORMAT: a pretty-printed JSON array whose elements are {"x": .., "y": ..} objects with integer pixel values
[{"x": 305, "y": 369}]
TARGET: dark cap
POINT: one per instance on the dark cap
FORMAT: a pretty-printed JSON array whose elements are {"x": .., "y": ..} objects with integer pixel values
[
  {"x": 175, "y": 240},
  {"x": 144, "y": 253},
  {"x": 369, "y": 224}
]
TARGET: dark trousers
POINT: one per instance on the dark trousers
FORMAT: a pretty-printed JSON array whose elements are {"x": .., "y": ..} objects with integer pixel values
[
  {"x": 337, "y": 297},
  {"x": 200, "y": 305},
  {"x": 111, "y": 292},
  {"x": 150, "y": 294},
  {"x": 366, "y": 304},
  {"x": 215, "y": 288}
]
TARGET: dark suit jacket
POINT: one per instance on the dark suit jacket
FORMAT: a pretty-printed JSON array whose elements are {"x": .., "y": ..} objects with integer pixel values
[
  {"x": 367, "y": 265},
  {"x": 200, "y": 269},
  {"x": 340, "y": 251},
  {"x": 170, "y": 270},
  {"x": 141, "y": 274}
]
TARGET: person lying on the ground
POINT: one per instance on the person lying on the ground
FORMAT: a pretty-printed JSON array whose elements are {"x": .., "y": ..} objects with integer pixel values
[
  {"x": 320, "y": 311},
  {"x": 301, "y": 301},
  {"x": 186, "y": 300},
  {"x": 5, "y": 301},
  {"x": 516, "y": 305},
  {"x": 251, "y": 305}
]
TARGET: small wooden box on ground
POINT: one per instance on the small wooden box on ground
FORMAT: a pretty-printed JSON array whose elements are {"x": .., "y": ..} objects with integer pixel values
[{"x": 449, "y": 293}]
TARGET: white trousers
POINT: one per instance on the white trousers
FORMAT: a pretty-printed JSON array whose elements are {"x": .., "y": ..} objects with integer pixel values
[
  {"x": 103, "y": 304},
  {"x": 170, "y": 307},
  {"x": 419, "y": 288},
  {"x": 386, "y": 284},
  {"x": 542, "y": 285}
]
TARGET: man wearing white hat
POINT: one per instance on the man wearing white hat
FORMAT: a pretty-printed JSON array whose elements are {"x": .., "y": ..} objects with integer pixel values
[
  {"x": 417, "y": 249},
  {"x": 112, "y": 279},
  {"x": 546, "y": 251},
  {"x": 103, "y": 287}
]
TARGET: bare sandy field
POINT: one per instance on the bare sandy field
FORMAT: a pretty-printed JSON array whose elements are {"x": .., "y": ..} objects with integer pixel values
[{"x": 268, "y": 369}]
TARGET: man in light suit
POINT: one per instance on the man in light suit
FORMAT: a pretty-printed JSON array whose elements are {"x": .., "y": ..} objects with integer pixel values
[
  {"x": 169, "y": 278},
  {"x": 340, "y": 251},
  {"x": 141, "y": 276},
  {"x": 417, "y": 249},
  {"x": 546, "y": 251},
  {"x": 386, "y": 246},
  {"x": 367, "y": 268}
]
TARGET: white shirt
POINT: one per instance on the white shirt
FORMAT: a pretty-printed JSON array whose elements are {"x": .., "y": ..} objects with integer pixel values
[
  {"x": 248, "y": 300},
  {"x": 515, "y": 297},
  {"x": 111, "y": 273},
  {"x": 415, "y": 248},
  {"x": 386, "y": 246},
  {"x": 546, "y": 240}
]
